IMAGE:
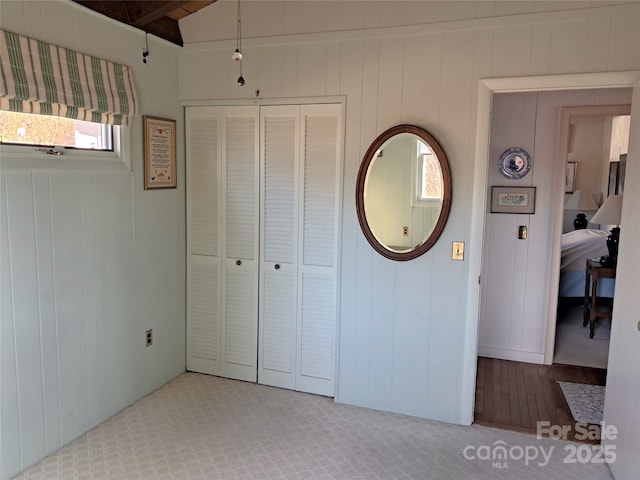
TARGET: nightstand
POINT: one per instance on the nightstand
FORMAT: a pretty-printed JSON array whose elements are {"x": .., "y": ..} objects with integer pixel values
[{"x": 594, "y": 273}]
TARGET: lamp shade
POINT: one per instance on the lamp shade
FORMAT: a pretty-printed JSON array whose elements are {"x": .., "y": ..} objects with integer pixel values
[
  {"x": 580, "y": 200},
  {"x": 610, "y": 211}
]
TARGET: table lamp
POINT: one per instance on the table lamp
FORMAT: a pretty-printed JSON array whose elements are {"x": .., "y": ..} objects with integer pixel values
[
  {"x": 609, "y": 214},
  {"x": 583, "y": 201}
]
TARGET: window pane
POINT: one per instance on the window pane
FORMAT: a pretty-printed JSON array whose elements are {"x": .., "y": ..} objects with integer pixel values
[
  {"x": 47, "y": 130},
  {"x": 431, "y": 178}
]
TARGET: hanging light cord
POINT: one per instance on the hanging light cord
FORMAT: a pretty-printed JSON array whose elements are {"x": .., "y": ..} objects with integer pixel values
[
  {"x": 239, "y": 31},
  {"x": 237, "y": 55}
]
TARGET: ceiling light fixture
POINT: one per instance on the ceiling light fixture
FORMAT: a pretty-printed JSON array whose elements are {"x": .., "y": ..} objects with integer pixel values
[{"x": 237, "y": 54}]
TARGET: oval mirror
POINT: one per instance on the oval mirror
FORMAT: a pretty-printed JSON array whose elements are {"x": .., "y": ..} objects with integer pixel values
[{"x": 403, "y": 193}]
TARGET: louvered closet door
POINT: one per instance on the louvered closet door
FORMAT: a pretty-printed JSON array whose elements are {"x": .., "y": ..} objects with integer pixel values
[
  {"x": 222, "y": 218},
  {"x": 203, "y": 248},
  {"x": 280, "y": 149},
  {"x": 300, "y": 179},
  {"x": 239, "y": 332},
  {"x": 319, "y": 194}
]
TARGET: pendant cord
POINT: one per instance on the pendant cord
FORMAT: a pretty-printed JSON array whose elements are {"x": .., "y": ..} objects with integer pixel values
[{"x": 239, "y": 31}]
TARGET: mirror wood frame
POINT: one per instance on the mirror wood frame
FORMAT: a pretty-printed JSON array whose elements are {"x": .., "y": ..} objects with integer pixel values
[{"x": 446, "y": 200}]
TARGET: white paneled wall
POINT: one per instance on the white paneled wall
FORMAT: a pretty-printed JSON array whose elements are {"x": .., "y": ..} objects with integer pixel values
[
  {"x": 88, "y": 259},
  {"x": 402, "y": 323}
]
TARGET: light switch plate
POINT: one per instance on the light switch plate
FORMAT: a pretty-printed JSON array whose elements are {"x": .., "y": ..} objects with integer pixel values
[{"x": 457, "y": 251}]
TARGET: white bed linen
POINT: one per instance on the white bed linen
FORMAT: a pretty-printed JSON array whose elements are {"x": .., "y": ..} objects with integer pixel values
[{"x": 577, "y": 247}]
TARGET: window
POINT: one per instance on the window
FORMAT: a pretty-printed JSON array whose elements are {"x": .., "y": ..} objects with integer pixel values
[
  {"x": 30, "y": 129},
  {"x": 429, "y": 177}
]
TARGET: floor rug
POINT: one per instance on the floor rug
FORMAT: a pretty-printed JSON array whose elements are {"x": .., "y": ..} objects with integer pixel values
[{"x": 586, "y": 402}]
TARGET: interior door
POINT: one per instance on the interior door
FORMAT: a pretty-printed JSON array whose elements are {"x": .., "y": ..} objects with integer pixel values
[
  {"x": 623, "y": 380},
  {"x": 203, "y": 169},
  {"x": 280, "y": 146},
  {"x": 222, "y": 240},
  {"x": 300, "y": 177},
  {"x": 240, "y": 153},
  {"x": 320, "y": 181}
]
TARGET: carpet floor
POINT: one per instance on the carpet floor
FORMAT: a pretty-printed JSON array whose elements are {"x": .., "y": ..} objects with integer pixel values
[
  {"x": 203, "y": 427},
  {"x": 573, "y": 345}
]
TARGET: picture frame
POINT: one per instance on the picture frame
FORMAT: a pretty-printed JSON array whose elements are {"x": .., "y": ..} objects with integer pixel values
[
  {"x": 614, "y": 176},
  {"x": 621, "y": 173},
  {"x": 570, "y": 177},
  {"x": 160, "y": 169},
  {"x": 521, "y": 200}
]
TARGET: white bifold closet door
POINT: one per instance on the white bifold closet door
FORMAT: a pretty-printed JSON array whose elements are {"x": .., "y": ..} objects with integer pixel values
[
  {"x": 300, "y": 179},
  {"x": 222, "y": 205},
  {"x": 263, "y": 186}
]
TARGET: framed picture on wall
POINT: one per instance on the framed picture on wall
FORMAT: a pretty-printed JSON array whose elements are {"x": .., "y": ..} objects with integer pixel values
[
  {"x": 570, "y": 177},
  {"x": 614, "y": 178},
  {"x": 160, "y": 168},
  {"x": 621, "y": 171},
  {"x": 513, "y": 200}
]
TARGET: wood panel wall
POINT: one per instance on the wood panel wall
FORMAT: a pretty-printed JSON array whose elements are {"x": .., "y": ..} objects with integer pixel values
[
  {"x": 89, "y": 260},
  {"x": 402, "y": 325}
]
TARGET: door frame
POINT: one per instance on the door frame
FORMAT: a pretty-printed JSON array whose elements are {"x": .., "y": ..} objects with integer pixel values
[{"x": 486, "y": 89}]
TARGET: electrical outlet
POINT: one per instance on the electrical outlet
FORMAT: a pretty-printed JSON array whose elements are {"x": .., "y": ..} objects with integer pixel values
[
  {"x": 405, "y": 231},
  {"x": 148, "y": 335}
]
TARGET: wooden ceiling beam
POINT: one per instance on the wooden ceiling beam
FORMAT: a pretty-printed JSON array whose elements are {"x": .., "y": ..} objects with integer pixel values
[
  {"x": 143, "y": 13},
  {"x": 165, "y": 28},
  {"x": 158, "y": 17}
]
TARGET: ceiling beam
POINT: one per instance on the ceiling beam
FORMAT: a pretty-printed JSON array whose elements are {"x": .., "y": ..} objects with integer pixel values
[
  {"x": 165, "y": 28},
  {"x": 143, "y": 13},
  {"x": 149, "y": 16}
]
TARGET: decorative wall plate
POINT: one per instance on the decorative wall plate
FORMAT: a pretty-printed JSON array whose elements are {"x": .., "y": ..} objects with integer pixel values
[{"x": 514, "y": 163}]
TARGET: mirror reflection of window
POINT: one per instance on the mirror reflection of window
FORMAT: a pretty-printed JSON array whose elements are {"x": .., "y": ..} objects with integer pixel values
[{"x": 429, "y": 178}]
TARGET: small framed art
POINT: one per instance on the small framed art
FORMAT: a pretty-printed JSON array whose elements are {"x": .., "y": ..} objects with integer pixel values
[
  {"x": 159, "y": 153},
  {"x": 570, "y": 177},
  {"x": 513, "y": 200}
]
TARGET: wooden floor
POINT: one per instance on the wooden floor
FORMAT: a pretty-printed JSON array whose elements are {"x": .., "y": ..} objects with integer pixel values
[{"x": 515, "y": 395}]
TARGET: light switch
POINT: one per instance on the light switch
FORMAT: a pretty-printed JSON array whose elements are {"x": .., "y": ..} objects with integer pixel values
[
  {"x": 457, "y": 251},
  {"x": 522, "y": 232}
]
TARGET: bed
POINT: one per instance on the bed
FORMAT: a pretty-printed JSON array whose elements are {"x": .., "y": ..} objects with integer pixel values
[{"x": 577, "y": 247}]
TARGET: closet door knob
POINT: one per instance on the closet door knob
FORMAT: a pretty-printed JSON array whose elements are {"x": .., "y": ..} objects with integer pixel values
[
  {"x": 238, "y": 262},
  {"x": 277, "y": 267}
]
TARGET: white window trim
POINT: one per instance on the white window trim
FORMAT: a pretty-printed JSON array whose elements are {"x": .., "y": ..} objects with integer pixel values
[{"x": 28, "y": 157}]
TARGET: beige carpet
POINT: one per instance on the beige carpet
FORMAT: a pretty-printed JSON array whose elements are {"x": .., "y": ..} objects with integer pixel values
[
  {"x": 573, "y": 345},
  {"x": 203, "y": 427}
]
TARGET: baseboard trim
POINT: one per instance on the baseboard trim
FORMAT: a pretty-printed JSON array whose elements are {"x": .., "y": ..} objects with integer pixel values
[{"x": 509, "y": 354}]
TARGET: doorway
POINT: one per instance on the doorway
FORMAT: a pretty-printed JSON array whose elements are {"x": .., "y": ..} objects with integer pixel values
[
  {"x": 516, "y": 287},
  {"x": 593, "y": 143},
  {"x": 487, "y": 88},
  {"x": 620, "y": 408}
]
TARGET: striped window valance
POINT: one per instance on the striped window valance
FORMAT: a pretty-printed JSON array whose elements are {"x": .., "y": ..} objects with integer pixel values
[{"x": 37, "y": 77}]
